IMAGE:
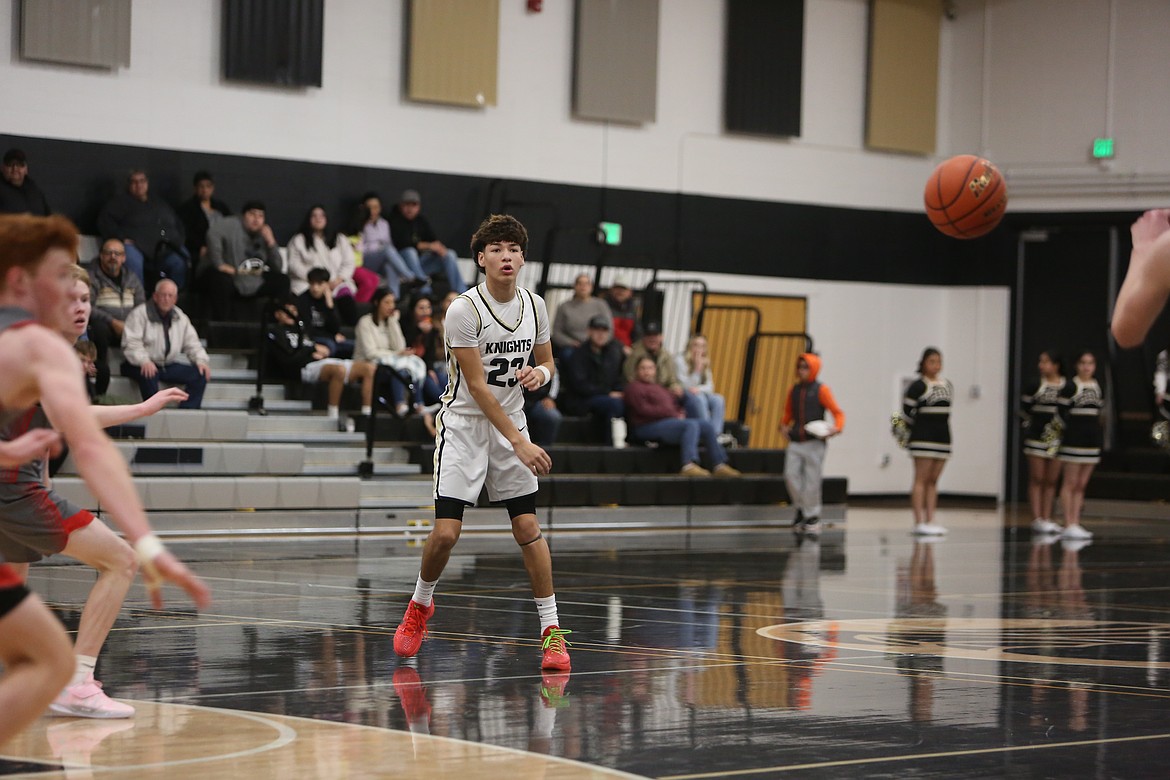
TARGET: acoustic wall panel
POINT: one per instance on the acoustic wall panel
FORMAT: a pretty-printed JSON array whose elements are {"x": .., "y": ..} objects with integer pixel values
[
  {"x": 273, "y": 41},
  {"x": 765, "y": 60},
  {"x": 902, "y": 108},
  {"x": 78, "y": 32},
  {"x": 453, "y": 51},
  {"x": 615, "y": 74}
]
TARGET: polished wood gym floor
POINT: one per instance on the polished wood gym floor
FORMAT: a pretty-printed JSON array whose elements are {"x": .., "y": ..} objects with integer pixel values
[{"x": 709, "y": 654}]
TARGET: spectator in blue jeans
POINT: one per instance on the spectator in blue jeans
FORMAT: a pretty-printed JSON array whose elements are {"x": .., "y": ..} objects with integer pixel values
[
  {"x": 654, "y": 414},
  {"x": 420, "y": 248},
  {"x": 156, "y": 334}
]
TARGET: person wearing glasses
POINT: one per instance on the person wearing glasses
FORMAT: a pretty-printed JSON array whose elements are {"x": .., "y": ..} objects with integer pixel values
[{"x": 115, "y": 290}]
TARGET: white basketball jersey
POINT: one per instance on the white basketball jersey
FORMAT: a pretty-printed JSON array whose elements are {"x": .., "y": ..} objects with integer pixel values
[{"x": 505, "y": 334}]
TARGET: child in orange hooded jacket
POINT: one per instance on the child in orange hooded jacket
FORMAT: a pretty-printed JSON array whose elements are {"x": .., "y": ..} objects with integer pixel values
[{"x": 805, "y": 456}]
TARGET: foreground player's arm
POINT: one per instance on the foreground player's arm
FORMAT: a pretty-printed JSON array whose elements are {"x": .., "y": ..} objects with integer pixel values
[
  {"x": 29, "y": 446},
  {"x": 49, "y": 367},
  {"x": 471, "y": 369},
  {"x": 116, "y": 415},
  {"x": 1147, "y": 282}
]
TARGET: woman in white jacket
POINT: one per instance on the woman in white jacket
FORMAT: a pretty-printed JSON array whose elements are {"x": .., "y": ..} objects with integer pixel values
[
  {"x": 314, "y": 247},
  {"x": 379, "y": 340}
]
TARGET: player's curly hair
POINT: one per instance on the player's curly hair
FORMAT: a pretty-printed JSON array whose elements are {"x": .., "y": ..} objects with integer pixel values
[
  {"x": 495, "y": 229},
  {"x": 25, "y": 239}
]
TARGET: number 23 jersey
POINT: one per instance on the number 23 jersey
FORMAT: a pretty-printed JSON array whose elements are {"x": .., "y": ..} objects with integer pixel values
[{"x": 504, "y": 333}]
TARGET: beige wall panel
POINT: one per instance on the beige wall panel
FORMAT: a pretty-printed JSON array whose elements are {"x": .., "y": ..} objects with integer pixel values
[
  {"x": 78, "y": 32},
  {"x": 454, "y": 51},
  {"x": 902, "y": 111}
]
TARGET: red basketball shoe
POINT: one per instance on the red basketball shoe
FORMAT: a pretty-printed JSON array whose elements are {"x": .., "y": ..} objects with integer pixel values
[
  {"x": 411, "y": 632},
  {"x": 556, "y": 653}
]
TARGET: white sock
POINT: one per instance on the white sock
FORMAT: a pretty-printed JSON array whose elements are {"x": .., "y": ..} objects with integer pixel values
[
  {"x": 547, "y": 608},
  {"x": 424, "y": 592},
  {"x": 365, "y": 411},
  {"x": 331, "y": 412},
  {"x": 85, "y": 666}
]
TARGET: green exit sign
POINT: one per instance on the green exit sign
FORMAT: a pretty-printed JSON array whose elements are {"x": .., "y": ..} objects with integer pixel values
[
  {"x": 609, "y": 233},
  {"x": 1102, "y": 148}
]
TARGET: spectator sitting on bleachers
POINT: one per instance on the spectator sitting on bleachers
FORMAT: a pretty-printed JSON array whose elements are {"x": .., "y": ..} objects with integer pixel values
[
  {"x": 242, "y": 261},
  {"x": 650, "y": 346},
  {"x": 378, "y": 253},
  {"x": 199, "y": 212},
  {"x": 296, "y": 356},
  {"x": 317, "y": 307},
  {"x": 571, "y": 323},
  {"x": 540, "y": 409},
  {"x": 653, "y": 415},
  {"x": 149, "y": 228},
  {"x": 693, "y": 368},
  {"x": 314, "y": 247},
  {"x": 156, "y": 334},
  {"x": 379, "y": 340},
  {"x": 19, "y": 194},
  {"x": 418, "y": 245},
  {"x": 592, "y": 379},
  {"x": 424, "y": 337},
  {"x": 115, "y": 291},
  {"x": 624, "y": 311}
]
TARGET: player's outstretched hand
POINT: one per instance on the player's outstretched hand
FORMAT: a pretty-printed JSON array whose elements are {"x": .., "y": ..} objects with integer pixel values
[
  {"x": 1147, "y": 282},
  {"x": 163, "y": 397},
  {"x": 165, "y": 566},
  {"x": 30, "y": 446},
  {"x": 534, "y": 458}
]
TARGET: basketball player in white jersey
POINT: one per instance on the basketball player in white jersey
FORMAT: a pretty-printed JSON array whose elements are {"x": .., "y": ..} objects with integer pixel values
[
  {"x": 482, "y": 434},
  {"x": 38, "y": 366}
]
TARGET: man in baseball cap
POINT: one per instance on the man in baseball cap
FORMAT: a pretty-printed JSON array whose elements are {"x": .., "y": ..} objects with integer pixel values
[{"x": 19, "y": 194}]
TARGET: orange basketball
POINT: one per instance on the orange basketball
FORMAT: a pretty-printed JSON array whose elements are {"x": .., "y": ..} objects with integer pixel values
[{"x": 965, "y": 196}]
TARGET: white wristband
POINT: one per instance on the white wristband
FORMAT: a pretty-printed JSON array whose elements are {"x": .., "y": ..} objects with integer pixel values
[
  {"x": 547, "y": 375},
  {"x": 148, "y": 548}
]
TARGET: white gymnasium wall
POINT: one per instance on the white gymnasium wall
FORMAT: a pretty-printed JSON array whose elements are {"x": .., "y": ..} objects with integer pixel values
[
  {"x": 866, "y": 358},
  {"x": 1031, "y": 83},
  {"x": 1027, "y": 82},
  {"x": 172, "y": 96}
]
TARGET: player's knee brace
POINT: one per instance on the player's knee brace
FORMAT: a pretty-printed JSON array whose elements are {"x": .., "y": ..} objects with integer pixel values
[{"x": 449, "y": 508}]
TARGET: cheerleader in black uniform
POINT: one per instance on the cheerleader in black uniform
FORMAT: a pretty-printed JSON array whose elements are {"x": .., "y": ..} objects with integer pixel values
[
  {"x": 1040, "y": 409},
  {"x": 927, "y": 409},
  {"x": 1080, "y": 447}
]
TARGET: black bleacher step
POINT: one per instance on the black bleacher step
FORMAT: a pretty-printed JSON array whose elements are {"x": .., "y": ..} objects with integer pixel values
[{"x": 1129, "y": 487}]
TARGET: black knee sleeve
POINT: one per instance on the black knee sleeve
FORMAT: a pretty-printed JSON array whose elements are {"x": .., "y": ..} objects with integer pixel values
[
  {"x": 524, "y": 505},
  {"x": 10, "y": 598},
  {"x": 450, "y": 508}
]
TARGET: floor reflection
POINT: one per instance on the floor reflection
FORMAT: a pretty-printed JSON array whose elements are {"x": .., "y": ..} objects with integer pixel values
[{"x": 864, "y": 652}]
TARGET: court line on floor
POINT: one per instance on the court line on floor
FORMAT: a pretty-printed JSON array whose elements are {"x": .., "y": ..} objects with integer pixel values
[{"x": 915, "y": 757}]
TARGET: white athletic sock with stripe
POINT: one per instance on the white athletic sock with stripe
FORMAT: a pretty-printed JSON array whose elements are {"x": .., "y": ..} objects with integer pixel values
[
  {"x": 85, "y": 667},
  {"x": 547, "y": 608},
  {"x": 424, "y": 592}
]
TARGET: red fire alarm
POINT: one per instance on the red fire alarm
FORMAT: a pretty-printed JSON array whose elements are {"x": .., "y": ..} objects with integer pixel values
[{"x": 535, "y": 6}]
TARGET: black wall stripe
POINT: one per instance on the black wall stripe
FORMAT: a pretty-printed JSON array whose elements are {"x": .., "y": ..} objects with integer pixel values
[{"x": 660, "y": 230}]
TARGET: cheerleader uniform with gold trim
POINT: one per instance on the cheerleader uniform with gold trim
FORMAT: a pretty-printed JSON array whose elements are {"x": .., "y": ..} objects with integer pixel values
[
  {"x": 927, "y": 409},
  {"x": 1039, "y": 409},
  {"x": 1082, "y": 438}
]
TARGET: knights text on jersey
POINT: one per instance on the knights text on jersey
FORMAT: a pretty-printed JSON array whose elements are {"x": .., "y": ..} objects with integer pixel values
[{"x": 504, "y": 333}]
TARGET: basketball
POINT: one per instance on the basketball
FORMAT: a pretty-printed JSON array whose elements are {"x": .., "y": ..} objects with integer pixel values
[{"x": 965, "y": 196}]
